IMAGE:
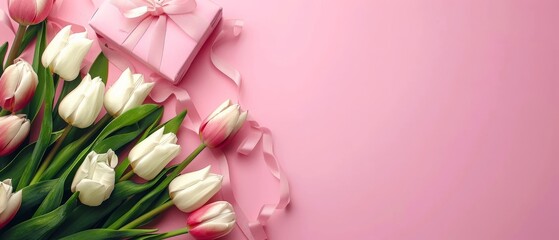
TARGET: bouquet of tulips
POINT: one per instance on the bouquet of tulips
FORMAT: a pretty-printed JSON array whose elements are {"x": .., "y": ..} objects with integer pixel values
[{"x": 73, "y": 180}]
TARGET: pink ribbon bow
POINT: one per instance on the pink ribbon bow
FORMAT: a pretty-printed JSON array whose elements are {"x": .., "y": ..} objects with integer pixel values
[{"x": 144, "y": 13}]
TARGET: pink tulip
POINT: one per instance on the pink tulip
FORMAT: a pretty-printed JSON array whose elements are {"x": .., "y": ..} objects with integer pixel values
[
  {"x": 222, "y": 124},
  {"x": 17, "y": 86},
  {"x": 9, "y": 202},
  {"x": 212, "y": 221},
  {"x": 29, "y": 12},
  {"x": 13, "y": 130}
]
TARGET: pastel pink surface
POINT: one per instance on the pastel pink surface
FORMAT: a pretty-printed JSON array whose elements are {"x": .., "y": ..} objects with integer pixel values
[{"x": 397, "y": 119}]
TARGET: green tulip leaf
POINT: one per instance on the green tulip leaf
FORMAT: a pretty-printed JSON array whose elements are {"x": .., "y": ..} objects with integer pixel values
[
  {"x": 30, "y": 34},
  {"x": 44, "y": 135},
  {"x": 32, "y": 196},
  {"x": 100, "y": 68},
  {"x": 53, "y": 198},
  {"x": 123, "y": 190},
  {"x": 14, "y": 169},
  {"x": 108, "y": 234},
  {"x": 125, "y": 207},
  {"x": 34, "y": 106},
  {"x": 71, "y": 149},
  {"x": 42, "y": 226},
  {"x": 129, "y": 133},
  {"x": 128, "y": 118}
]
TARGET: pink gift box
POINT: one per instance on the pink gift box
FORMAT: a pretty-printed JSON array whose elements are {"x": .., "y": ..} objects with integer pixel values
[{"x": 179, "y": 48}]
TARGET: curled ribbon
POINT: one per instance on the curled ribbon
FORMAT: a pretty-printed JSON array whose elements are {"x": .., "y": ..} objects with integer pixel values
[{"x": 144, "y": 13}]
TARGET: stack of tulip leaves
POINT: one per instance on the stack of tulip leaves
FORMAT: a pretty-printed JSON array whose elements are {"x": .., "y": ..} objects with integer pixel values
[{"x": 50, "y": 172}]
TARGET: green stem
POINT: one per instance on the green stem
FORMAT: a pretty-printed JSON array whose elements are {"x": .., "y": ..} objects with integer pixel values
[
  {"x": 174, "y": 233},
  {"x": 4, "y": 112},
  {"x": 126, "y": 176},
  {"x": 55, "y": 166},
  {"x": 185, "y": 163},
  {"x": 51, "y": 155},
  {"x": 15, "y": 45},
  {"x": 149, "y": 215}
]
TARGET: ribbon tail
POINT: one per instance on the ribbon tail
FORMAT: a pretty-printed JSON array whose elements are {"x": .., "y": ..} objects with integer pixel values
[
  {"x": 229, "y": 29},
  {"x": 251, "y": 231}
]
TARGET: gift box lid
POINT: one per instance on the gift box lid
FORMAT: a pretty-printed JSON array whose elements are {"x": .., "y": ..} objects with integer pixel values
[{"x": 179, "y": 47}]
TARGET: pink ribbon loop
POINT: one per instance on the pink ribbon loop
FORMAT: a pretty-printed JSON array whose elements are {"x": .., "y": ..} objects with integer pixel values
[{"x": 144, "y": 14}]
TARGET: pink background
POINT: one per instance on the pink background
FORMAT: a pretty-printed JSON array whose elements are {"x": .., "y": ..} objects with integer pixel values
[{"x": 430, "y": 119}]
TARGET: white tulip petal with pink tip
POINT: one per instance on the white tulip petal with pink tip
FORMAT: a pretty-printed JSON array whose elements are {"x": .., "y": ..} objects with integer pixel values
[
  {"x": 29, "y": 12},
  {"x": 9, "y": 202},
  {"x": 13, "y": 131},
  {"x": 17, "y": 86},
  {"x": 222, "y": 124},
  {"x": 212, "y": 221}
]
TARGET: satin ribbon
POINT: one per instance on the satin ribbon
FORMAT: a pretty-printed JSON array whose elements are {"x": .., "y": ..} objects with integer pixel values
[
  {"x": 229, "y": 29},
  {"x": 145, "y": 13},
  {"x": 254, "y": 230}
]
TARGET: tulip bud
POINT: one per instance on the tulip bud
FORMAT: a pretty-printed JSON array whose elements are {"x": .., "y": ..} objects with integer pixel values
[
  {"x": 17, "y": 86},
  {"x": 152, "y": 154},
  {"x": 212, "y": 221},
  {"x": 82, "y": 105},
  {"x": 222, "y": 124},
  {"x": 65, "y": 53},
  {"x": 13, "y": 130},
  {"x": 29, "y": 12},
  {"x": 95, "y": 179},
  {"x": 128, "y": 92},
  {"x": 9, "y": 202},
  {"x": 192, "y": 190}
]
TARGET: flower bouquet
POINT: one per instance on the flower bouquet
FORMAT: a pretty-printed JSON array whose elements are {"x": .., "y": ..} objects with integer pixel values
[{"x": 73, "y": 180}]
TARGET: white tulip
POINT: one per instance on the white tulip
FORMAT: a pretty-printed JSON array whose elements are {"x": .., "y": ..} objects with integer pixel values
[
  {"x": 152, "y": 154},
  {"x": 82, "y": 105},
  {"x": 9, "y": 202},
  {"x": 128, "y": 92},
  {"x": 65, "y": 53},
  {"x": 95, "y": 179},
  {"x": 192, "y": 190}
]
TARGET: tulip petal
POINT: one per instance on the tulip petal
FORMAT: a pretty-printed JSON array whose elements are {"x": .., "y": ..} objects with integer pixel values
[
  {"x": 155, "y": 161},
  {"x": 11, "y": 209},
  {"x": 68, "y": 62},
  {"x": 189, "y": 179},
  {"x": 194, "y": 197},
  {"x": 91, "y": 193},
  {"x": 220, "y": 109},
  {"x": 55, "y": 46},
  {"x": 91, "y": 105},
  {"x": 144, "y": 147}
]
